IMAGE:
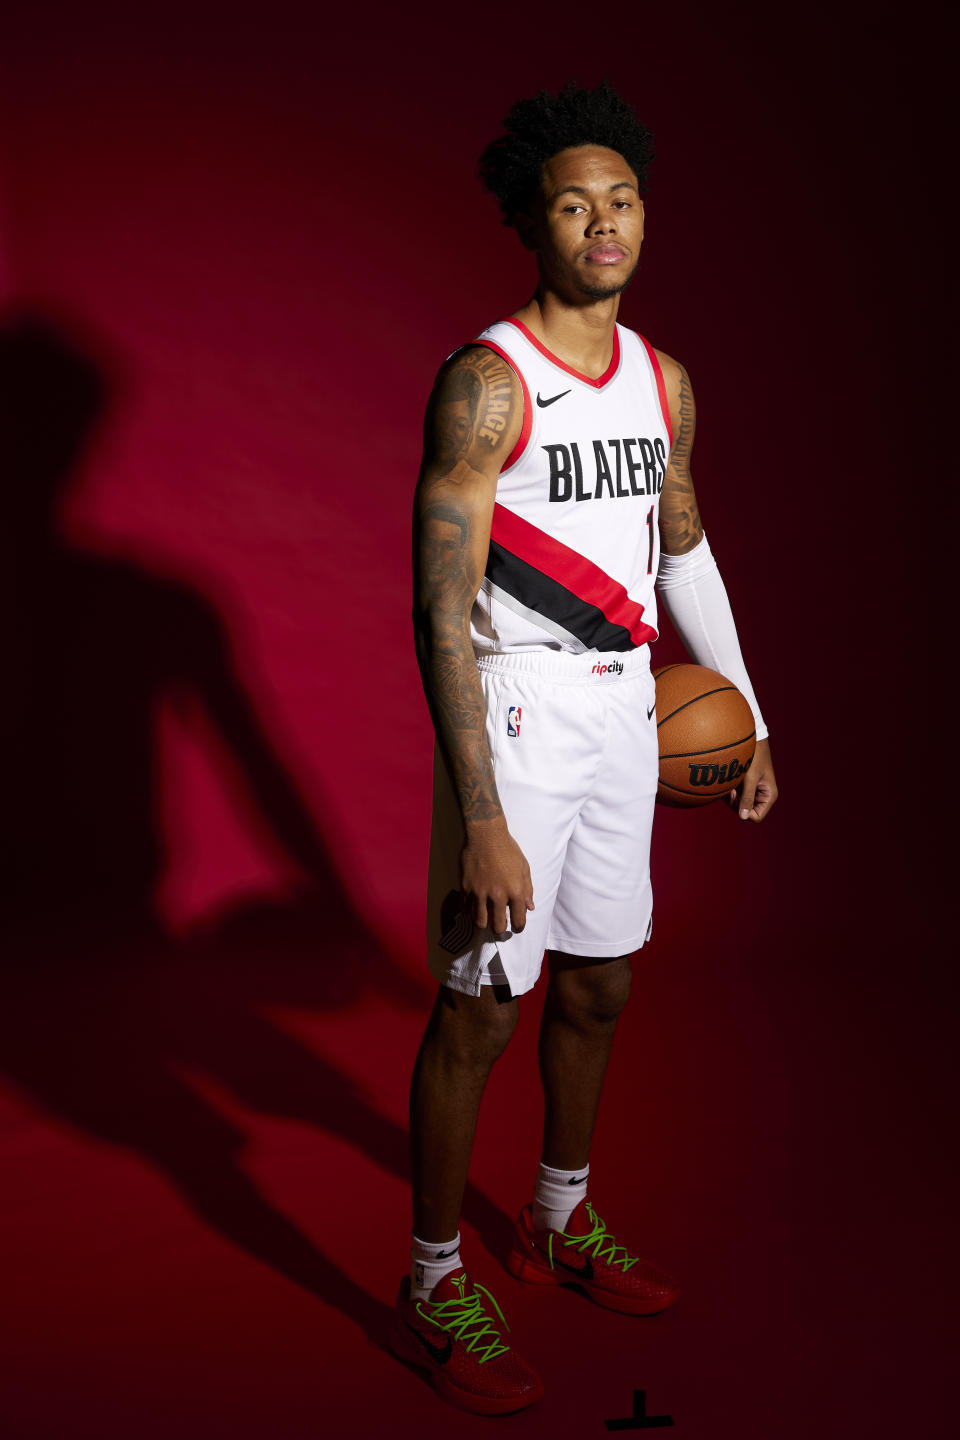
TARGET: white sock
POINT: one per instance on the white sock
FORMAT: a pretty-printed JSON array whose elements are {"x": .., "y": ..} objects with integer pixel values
[
  {"x": 556, "y": 1195},
  {"x": 429, "y": 1262}
]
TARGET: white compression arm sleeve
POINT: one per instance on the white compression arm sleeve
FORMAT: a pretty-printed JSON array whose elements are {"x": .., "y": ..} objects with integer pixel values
[{"x": 695, "y": 599}]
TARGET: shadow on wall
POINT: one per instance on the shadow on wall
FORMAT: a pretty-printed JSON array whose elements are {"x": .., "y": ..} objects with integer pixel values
[{"x": 102, "y": 1007}]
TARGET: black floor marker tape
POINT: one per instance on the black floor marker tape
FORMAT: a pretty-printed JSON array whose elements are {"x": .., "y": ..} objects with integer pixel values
[{"x": 640, "y": 1420}]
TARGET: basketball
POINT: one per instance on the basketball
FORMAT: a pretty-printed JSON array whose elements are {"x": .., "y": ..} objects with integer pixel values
[{"x": 706, "y": 734}]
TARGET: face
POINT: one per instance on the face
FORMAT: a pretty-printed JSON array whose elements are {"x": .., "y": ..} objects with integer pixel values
[
  {"x": 442, "y": 542},
  {"x": 587, "y": 223},
  {"x": 454, "y": 428}
]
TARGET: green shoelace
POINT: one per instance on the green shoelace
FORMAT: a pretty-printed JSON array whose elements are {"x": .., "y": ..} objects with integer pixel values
[
  {"x": 600, "y": 1243},
  {"x": 467, "y": 1320}
]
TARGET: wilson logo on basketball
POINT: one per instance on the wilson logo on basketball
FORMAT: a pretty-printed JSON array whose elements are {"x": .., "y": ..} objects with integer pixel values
[{"x": 717, "y": 774}]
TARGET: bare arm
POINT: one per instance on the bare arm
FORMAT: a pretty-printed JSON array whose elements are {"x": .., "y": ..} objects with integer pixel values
[{"x": 473, "y": 420}]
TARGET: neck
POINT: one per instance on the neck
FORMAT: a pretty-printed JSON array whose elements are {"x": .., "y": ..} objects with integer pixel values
[{"x": 579, "y": 334}]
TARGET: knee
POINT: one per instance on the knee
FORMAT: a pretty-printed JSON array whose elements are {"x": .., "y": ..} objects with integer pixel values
[
  {"x": 474, "y": 1030},
  {"x": 592, "y": 994}
]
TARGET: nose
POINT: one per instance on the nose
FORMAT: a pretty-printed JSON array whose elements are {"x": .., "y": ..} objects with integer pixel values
[{"x": 601, "y": 223}]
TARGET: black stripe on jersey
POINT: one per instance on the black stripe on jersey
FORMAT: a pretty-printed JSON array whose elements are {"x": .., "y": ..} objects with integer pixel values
[{"x": 548, "y": 597}]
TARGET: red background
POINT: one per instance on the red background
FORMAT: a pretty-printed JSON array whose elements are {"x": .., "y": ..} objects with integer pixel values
[{"x": 261, "y": 228}]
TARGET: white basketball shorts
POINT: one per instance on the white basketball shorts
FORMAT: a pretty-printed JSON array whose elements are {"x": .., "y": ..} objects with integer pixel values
[{"x": 574, "y": 746}]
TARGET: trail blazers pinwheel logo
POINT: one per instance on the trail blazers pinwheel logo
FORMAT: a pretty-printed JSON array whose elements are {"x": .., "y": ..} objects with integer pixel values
[{"x": 456, "y": 927}]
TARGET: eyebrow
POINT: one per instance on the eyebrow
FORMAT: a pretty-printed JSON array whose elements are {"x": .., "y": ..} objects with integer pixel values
[{"x": 582, "y": 189}]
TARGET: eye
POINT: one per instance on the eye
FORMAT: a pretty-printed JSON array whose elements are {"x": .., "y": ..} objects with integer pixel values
[{"x": 621, "y": 204}]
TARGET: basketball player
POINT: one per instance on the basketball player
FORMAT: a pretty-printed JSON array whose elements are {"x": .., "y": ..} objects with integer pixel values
[{"x": 555, "y": 490}]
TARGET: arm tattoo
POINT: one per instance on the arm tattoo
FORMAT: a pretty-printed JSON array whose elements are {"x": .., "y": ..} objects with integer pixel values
[
  {"x": 470, "y": 411},
  {"x": 688, "y": 420},
  {"x": 680, "y": 525},
  {"x": 447, "y": 663},
  {"x": 470, "y": 417}
]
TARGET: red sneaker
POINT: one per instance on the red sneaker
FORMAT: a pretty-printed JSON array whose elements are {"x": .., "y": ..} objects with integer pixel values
[
  {"x": 454, "y": 1338},
  {"x": 586, "y": 1254}
]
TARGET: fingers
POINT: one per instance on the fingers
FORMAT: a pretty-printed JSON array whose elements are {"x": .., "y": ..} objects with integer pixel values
[
  {"x": 758, "y": 789},
  {"x": 497, "y": 887},
  {"x": 758, "y": 803},
  {"x": 495, "y": 913},
  {"x": 520, "y": 906},
  {"x": 488, "y": 912},
  {"x": 765, "y": 800},
  {"x": 748, "y": 791},
  {"x": 506, "y": 915}
]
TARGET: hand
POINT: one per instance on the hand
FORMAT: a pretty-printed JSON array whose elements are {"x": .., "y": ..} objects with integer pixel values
[
  {"x": 495, "y": 878},
  {"x": 757, "y": 791}
]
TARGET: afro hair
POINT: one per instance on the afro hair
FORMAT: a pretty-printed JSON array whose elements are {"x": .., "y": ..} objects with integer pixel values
[{"x": 539, "y": 128}]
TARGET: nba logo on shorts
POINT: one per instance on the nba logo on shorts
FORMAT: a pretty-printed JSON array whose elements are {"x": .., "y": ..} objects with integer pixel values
[{"x": 513, "y": 721}]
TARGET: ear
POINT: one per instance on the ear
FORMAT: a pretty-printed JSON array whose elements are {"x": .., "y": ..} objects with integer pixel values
[{"x": 643, "y": 216}]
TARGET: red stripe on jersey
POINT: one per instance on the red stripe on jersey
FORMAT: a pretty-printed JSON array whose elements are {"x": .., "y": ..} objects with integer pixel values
[
  {"x": 661, "y": 387},
  {"x": 608, "y": 374},
  {"x": 527, "y": 426},
  {"x": 572, "y": 570}
]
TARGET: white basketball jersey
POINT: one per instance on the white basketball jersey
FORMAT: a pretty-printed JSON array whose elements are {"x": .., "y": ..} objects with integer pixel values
[{"x": 574, "y": 543}]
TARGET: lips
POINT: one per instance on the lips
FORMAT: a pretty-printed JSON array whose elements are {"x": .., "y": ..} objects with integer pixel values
[{"x": 605, "y": 255}]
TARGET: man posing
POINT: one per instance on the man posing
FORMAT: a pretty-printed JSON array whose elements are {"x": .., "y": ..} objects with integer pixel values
[{"x": 555, "y": 490}]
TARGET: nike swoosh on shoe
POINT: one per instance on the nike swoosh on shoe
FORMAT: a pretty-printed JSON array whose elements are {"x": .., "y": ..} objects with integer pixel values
[{"x": 440, "y": 1353}]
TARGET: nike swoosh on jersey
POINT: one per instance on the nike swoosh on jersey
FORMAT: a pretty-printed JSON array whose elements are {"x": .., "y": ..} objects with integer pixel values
[
  {"x": 544, "y": 403},
  {"x": 440, "y": 1353},
  {"x": 651, "y": 710}
]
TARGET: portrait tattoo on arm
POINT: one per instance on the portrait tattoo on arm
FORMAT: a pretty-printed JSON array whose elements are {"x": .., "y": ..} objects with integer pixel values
[
  {"x": 470, "y": 411},
  {"x": 680, "y": 526},
  {"x": 456, "y": 418},
  {"x": 448, "y": 665}
]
